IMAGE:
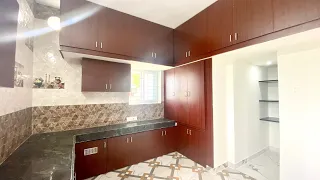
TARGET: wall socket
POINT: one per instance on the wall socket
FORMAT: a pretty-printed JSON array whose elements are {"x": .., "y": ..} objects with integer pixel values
[{"x": 133, "y": 118}]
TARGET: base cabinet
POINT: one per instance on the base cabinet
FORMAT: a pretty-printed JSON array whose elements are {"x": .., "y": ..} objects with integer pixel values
[{"x": 98, "y": 157}]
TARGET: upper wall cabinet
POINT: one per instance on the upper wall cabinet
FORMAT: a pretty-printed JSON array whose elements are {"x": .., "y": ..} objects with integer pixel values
[
  {"x": 288, "y": 13},
  {"x": 9, "y": 21},
  {"x": 190, "y": 39},
  {"x": 104, "y": 76},
  {"x": 115, "y": 33}
]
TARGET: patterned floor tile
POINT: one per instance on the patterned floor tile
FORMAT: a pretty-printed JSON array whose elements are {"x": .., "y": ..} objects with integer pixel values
[{"x": 173, "y": 166}]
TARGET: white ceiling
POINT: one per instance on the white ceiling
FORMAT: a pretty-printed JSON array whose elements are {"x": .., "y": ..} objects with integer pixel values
[{"x": 170, "y": 13}]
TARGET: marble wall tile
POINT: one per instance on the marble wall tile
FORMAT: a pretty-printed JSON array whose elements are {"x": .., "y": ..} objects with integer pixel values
[
  {"x": 62, "y": 118},
  {"x": 15, "y": 128},
  {"x": 44, "y": 12}
]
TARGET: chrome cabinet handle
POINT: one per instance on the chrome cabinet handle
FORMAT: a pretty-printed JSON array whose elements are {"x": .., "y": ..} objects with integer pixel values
[
  {"x": 165, "y": 133},
  {"x": 155, "y": 55},
  {"x": 152, "y": 54},
  {"x": 101, "y": 45},
  {"x": 105, "y": 144},
  {"x": 96, "y": 44},
  {"x": 236, "y": 36},
  {"x": 127, "y": 140},
  {"x": 130, "y": 139},
  {"x": 187, "y": 131},
  {"x": 186, "y": 54},
  {"x": 189, "y": 53},
  {"x": 110, "y": 86},
  {"x": 161, "y": 133},
  {"x": 106, "y": 86},
  {"x": 190, "y": 132},
  {"x": 230, "y": 37}
]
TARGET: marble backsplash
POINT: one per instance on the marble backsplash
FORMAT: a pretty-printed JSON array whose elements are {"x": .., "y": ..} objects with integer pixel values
[
  {"x": 69, "y": 117},
  {"x": 15, "y": 128}
]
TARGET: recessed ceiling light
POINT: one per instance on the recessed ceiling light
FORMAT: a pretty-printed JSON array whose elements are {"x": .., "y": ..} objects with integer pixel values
[
  {"x": 269, "y": 63},
  {"x": 54, "y": 23}
]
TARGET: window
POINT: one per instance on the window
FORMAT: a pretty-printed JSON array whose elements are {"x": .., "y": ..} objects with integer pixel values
[{"x": 145, "y": 87}]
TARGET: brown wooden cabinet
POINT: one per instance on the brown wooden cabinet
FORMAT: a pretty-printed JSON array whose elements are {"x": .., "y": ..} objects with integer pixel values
[
  {"x": 80, "y": 21},
  {"x": 190, "y": 39},
  {"x": 104, "y": 76},
  {"x": 9, "y": 22},
  {"x": 90, "y": 159},
  {"x": 115, "y": 33},
  {"x": 189, "y": 88},
  {"x": 220, "y": 29},
  {"x": 169, "y": 94}
]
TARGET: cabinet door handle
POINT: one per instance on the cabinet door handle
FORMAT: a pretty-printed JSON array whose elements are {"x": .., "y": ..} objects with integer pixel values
[
  {"x": 152, "y": 54},
  {"x": 190, "y": 132},
  {"x": 161, "y": 133},
  {"x": 155, "y": 55},
  {"x": 105, "y": 144},
  {"x": 101, "y": 45},
  {"x": 127, "y": 140},
  {"x": 230, "y": 37},
  {"x": 96, "y": 44},
  {"x": 110, "y": 86},
  {"x": 236, "y": 36},
  {"x": 130, "y": 139},
  {"x": 186, "y": 54},
  {"x": 187, "y": 131},
  {"x": 106, "y": 86},
  {"x": 165, "y": 133},
  {"x": 189, "y": 53}
]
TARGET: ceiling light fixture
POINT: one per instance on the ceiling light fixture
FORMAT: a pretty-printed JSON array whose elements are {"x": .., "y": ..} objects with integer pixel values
[{"x": 54, "y": 23}]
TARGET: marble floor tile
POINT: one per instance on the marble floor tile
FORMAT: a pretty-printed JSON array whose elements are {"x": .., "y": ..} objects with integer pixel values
[
  {"x": 173, "y": 166},
  {"x": 264, "y": 167}
]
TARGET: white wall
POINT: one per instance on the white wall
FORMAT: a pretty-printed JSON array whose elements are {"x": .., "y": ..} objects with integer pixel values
[
  {"x": 273, "y": 108},
  {"x": 299, "y": 92},
  {"x": 251, "y": 134},
  {"x": 238, "y": 132}
]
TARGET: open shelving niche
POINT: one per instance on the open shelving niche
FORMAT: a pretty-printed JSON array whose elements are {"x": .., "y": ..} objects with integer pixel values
[{"x": 269, "y": 103}]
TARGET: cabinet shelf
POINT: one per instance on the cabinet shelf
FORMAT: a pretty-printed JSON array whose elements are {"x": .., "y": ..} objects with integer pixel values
[
  {"x": 272, "y": 101},
  {"x": 270, "y": 119},
  {"x": 269, "y": 81}
]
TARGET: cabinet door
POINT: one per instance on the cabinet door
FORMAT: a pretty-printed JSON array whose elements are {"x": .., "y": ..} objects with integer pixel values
[
  {"x": 193, "y": 149},
  {"x": 90, "y": 162},
  {"x": 183, "y": 142},
  {"x": 163, "y": 45},
  {"x": 288, "y": 13},
  {"x": 94, "y": 75},
  {"x": 220, "y": 29},
  {"x": 119, "y": 152},
  {"x": 114, "y": 33},
  {"x": 260, "y": 18},
  {"x": 181, "y": 84},
  {"x": 313, "y": 9},
  {"x": 181, "y": 44},
  {"x": 240, "y": 21},
  {"x": 119, "y": 77},
  {"x": 84, "y": 32},
  {"x": 196, "y": 94},
  {"x": 170, "y": 140},
  {"x": 170, "y": 95},
  {"x": 9, "y": 22},
  {"x": 198, "y": 35}
]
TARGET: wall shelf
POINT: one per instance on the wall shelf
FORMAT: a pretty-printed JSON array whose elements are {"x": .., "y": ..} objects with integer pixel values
[
  {"x": 269, "y": 81},
  {"x": 270, "y": 119},
  {"x": 274, "y": 101}
]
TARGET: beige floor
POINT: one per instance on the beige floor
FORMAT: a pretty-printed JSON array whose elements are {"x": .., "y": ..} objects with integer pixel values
[{"x": 173, "y": 166}]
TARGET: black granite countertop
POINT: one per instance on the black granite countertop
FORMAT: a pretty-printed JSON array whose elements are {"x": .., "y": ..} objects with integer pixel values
[{"x": 50, "y": 156}]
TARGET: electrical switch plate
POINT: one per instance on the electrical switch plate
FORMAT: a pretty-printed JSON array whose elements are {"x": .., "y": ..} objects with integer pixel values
[
  {"x": 133, "y": 118},
  {"x": 90, "y": 151}
]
